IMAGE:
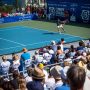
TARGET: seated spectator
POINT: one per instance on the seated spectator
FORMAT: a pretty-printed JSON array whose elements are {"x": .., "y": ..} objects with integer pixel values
[
  {"x": 72, "y": 51},
  {"x": 81, "y": 47},
  {"x": 37, "y": 83},
  {"x": 14, "y": 81},
  {"x": 67, "y": 58},
  {"x": 28, "y": 76},
  {"x": 55, "y": 72},
  {"x": 76, "y": 77},
  {"x": 87, "y": 81},
  {"x": 46, "y": 56},
  {"x": 54, "y": 46},
  {"x": 41, "y": 66},
  {"x": 22, "y": 83},
  {"x": 5, "y": 65},
  {"x": 64, "y": 70},
  {"x": 88, "y": 44},
  {"x": 37, "y": 57},
  {"x": 16, "y": 63},
  {"x": 50, "y": 82},
  {"x": 1, "y": 83}
]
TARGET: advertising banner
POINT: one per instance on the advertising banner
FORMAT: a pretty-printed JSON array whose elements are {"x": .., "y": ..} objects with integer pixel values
[{"x": 74, "y": 10}]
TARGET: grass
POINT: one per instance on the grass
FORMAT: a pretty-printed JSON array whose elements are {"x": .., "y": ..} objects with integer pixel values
[{"x": 82, "y": 30}]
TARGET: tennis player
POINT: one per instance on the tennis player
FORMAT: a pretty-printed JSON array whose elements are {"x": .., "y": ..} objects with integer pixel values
[{"x": 60, "y": 25}]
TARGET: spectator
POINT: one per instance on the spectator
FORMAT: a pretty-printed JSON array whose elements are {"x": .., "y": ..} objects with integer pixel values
[
  {"x": 54, "y": 46},
  {"x": 25, "y": 57},
  {"x": 37, "y": 83},
  {"x": 50, "y": 82},
  {"x": 72, "y": 51},
  {"x": 76, "y": 77},
  {"x": 5, "y": 65},
  {"x": 22, "y": 83},
  {"x": 15, "y": 64},
  {"x": 14, "y": 81},
  {"x": 61, "y": 44},
  {"x": 55, "y": 72},
  {"x": 29, "y": 76},
  {"x": 81, "y": 47},
  {"x": 41, "y": 66},
  {"x": 88, "y": 44}
]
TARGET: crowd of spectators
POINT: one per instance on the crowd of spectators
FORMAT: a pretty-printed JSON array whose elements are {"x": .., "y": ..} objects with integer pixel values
[
  {"x": 50, "y": 68},
  {"x": 39, "y": 11}
]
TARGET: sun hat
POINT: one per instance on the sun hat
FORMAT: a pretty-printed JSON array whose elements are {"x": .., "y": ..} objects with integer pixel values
[
  {"x": 53, "y": 42},
  {"x": 38, "y": 74},
  {"x": 56, "y": 71},
  {"x": 40, "y": 65}
]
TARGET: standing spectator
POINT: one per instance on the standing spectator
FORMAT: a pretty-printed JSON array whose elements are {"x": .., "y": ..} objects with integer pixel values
[
  {"x": 25, "y": 57},
  {"x": 5, "y": 65},
  {"x": 61, "y": 43},
  {"x": 76, "y": 77}
]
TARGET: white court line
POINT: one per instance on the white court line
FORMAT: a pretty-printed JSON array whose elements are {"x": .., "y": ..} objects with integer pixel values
[
  {"x": 17, "y": 27},
  {"x": 12, "y": 41},
  {"x": 50, "y": 31},
  {"x": 11, "y": 28},
  {"x": 33, "y": 44}
]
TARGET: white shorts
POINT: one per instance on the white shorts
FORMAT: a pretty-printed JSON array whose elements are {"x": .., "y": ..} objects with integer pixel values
[{"x": 60, "y": 26}]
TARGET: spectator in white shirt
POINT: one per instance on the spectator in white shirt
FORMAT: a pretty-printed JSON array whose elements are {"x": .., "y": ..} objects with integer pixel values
[{"x": 5, "y": 65}]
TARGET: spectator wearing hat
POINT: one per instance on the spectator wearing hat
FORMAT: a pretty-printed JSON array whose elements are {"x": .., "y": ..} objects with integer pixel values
[
  {"x": 54, "y": 46},
  {"x": 55, "y": 72},
  {"x": 41, "y": 66},
  {"x": 5, "y": 65},
  {"x": 50, "y": 82},
  {"x": 76, "y": 77},
  {"x": 37, "y": 57},
  {"x": 38, "y": 78},
  {"x": 64, "y": 70}
]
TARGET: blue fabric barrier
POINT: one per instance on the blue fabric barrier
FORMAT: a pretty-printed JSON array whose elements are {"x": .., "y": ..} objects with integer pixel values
[{"x": 18, "y": 18}]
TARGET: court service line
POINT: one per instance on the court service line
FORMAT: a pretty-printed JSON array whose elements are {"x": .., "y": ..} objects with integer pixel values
[
  {"x": 12, "y": 41},
  {"x": 35, "y": 43},
  {"x": 50, "y": 31},
  {"x": 18, "y": 27}
]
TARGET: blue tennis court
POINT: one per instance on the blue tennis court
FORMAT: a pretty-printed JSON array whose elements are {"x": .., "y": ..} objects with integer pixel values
[{"x": 14, "y": 39}]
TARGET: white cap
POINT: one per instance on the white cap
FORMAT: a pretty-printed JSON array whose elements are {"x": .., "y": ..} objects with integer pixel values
[{"x": 53, "y": 42}]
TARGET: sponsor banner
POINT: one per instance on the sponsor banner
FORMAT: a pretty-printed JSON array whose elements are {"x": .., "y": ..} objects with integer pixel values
[
  {"x": 18, "y": 18},
  {"x": 76, "y": 11}
]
